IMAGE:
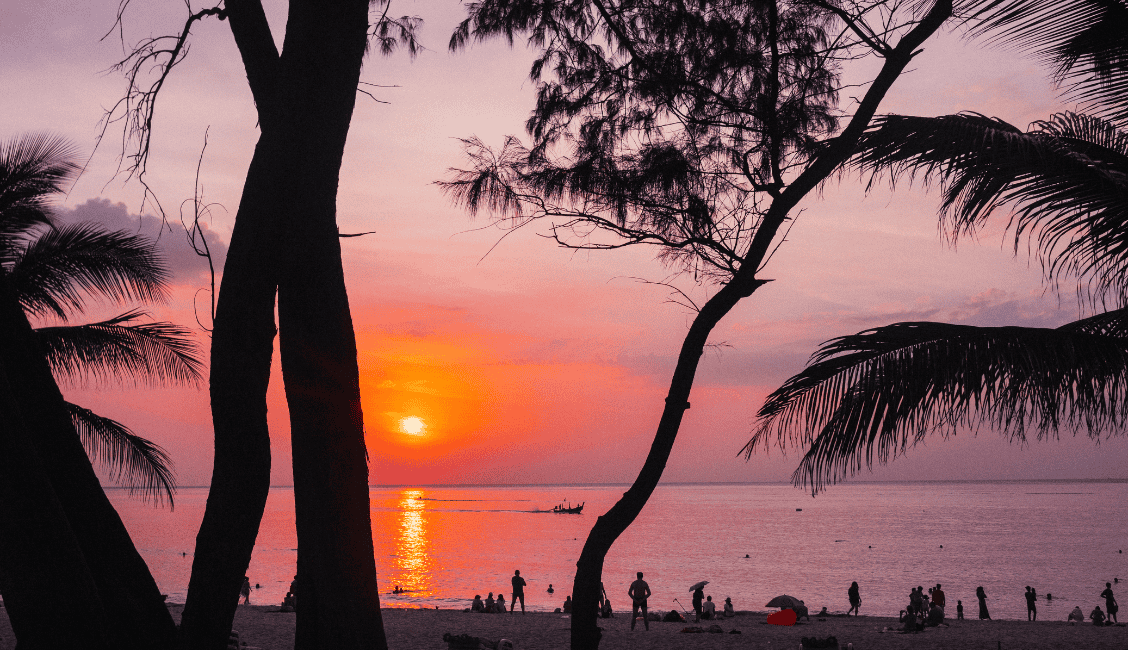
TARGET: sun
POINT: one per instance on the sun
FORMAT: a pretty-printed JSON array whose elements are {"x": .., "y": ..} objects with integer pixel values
[{"x": 413, "y": 426}]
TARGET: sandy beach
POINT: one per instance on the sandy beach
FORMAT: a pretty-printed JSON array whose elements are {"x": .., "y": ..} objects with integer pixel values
[{"x": 415, "y": 629}]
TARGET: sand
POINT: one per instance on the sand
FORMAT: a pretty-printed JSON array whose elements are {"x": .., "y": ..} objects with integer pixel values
[{"x": 417, "y": 629}]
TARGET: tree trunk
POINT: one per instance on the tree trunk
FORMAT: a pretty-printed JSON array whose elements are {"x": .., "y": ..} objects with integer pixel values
[
  {"x": 39, "y": 553},
  {"x": 589, "y": 568},
  {"x": 286, "y": 236},
  {"x": 242, "y": 347},
  {"x": 135, "y": 613},
  {"x": 339, "y": 605}
]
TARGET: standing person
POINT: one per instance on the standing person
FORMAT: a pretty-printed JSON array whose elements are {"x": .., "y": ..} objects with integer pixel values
[
  {"x": 1110, "y": 602},
  {"x": 245, "y": 590},
  {"x": 938, "y": 597},
  {"x": 698, "y": 596},
  {"x": 915, "y": 602},
  {"x": 518, "y": 591},
  {"x": 855, "y": 599},
  {"x": 1031, "y": 604},
  {"x": 982, "y": 596},
  {"x": 959, "y": 610},
  {"x": 639, "y": 592}
]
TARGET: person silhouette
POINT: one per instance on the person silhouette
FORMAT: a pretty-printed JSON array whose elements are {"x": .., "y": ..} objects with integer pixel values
[
  {"x": 639, "y": 591},
  {"x": 982, "y": 596},
  {"x": 1031, "y": 604},
  {"x": 855, "y": 599},
  {"x": 518, "y": 592},
  {"x": 1111, "y": 606},
  {"x": 550, "y": 589},
  {"x": 245, "y": 590},
  {"x": 698, "y": 596}
]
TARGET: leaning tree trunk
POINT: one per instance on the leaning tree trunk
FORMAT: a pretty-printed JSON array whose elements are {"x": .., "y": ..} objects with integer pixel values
[
  {"x": 135, "y": 613},
  {"x": 338, "y": 602},
  {"x": 39, "y": 553},
  {"x": 589, "y": 568}
]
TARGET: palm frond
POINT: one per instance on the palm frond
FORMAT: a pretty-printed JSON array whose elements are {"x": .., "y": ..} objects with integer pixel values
[
  {"x": 152, "y": 353},
  {"x": 32, "y": 168},
  {"x": 1084, "y": 42},
  {"x": 55, "y": 270},
  {"x": 130, "y": 460},
  {"x": 1066, "y": 181},
  {"x": 874, "y": 394}
]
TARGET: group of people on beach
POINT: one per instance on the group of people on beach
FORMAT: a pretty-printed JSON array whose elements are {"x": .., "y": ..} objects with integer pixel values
[
  {"x": 919, "y": 614},
  {"x": 491, "y": 606}
]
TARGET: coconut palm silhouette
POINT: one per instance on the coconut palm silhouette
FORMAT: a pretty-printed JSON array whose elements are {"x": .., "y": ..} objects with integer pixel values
[
  {"x": 1065, "y": 183},
  {"x": 52, "y": 270}
]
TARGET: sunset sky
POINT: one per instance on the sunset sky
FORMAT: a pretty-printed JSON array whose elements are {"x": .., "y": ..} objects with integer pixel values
[{"x": 490, "y": 360}]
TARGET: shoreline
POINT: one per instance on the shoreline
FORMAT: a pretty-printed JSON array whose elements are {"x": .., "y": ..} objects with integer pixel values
[{"x": 266, "y": 628}]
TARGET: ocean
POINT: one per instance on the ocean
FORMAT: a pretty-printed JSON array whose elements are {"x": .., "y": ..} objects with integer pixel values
[{"x": 442, "y": 545}]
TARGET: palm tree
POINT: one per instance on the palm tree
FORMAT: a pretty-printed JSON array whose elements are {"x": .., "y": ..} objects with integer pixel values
[
  {"x": 52, "y": 270},
  {"x": 1065, "y": 180}
]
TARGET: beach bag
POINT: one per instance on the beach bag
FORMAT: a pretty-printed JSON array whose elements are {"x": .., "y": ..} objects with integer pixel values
[
  {"x": 829, "y": 643},
  {"x": 783, "y": 617}
]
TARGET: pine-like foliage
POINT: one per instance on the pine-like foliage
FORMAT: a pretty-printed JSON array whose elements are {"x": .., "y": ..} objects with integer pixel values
[{"x": 657, "y": 123}]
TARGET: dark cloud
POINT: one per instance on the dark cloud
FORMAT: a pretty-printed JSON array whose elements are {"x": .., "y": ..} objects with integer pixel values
[{"x": 172, "y": 240}]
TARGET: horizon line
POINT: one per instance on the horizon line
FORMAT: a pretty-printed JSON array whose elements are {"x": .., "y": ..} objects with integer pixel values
[{"x": 703, "y": 483}]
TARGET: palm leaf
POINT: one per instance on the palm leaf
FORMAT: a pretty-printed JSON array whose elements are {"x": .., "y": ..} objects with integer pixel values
[
  {"x": 130, "y": 460},
  {"x": 1066, "y": 181},
  {"x": 55, "y": 270},
  {"x": 1085, "y": 42},
  {"x": 32, "y": 168},
  {"x": 153, "y": 353},
  {"x": 876, "y": 393}
]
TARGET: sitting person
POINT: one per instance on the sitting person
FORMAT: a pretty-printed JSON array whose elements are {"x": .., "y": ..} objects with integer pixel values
[
  {"x": 489, "y": 603},
  {"x": 288, "y": 602},
  {"x": 709, "y": 609},
  {"x": 1098, "y": 616},
  {"x": 729, "y": 612},
  {"x": 913, "y": 623},
  {"x": 477, "y": 605},
  {"x": 499, "y": 607},
  {"x": 567, "y": 604},
  {"x": 605, "y": 612},
  {"x": 801, "y": 611},
  {"x": 935, "y": 615},
  {"x": 1076, "y": 615}
]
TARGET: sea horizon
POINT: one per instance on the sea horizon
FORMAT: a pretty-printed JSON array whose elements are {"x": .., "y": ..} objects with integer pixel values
[
  {"x": 679, "y": 483},
  {"x": 444, "y": 544}
]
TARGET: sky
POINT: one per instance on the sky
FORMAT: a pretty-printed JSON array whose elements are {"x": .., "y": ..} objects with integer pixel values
[{"x": 488, "y": 358}]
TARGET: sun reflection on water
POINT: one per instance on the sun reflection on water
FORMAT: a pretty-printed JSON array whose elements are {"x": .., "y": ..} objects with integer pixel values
[{"x": 413, "y": 563}]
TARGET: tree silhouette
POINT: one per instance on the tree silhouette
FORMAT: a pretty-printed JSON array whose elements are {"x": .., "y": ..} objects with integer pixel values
[
  {"x": 1065, "y": 181},
  {"x": 285, "y": 245},
  {"x": 695, "y": 127},
  {"x": 51, "y": 271}
]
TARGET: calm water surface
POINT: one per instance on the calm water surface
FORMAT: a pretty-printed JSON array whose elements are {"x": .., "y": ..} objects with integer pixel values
[{"x": 445, "y": 544}]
